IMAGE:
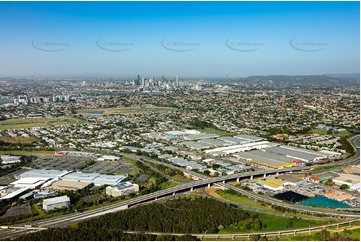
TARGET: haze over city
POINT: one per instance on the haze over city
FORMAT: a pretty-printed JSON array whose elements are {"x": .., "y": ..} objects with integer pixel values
[{"x": 195, "y": 39}]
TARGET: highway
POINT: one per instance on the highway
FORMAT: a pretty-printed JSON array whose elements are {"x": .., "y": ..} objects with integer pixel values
[{"x": 67, "y": 219}]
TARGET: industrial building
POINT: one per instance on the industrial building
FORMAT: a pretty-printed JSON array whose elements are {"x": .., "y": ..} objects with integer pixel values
[
  {"x": 272, "y": 184},
  {"x": 39, "y": 173},
  {"x": 297, "y": 153},
  {"x": 193, "y": 145},
  {"x": 249, "y": 138},
  {"x": 95, "y": 178},
  {"x": 56, "y": 203},
  {"x": 348, "y": 179},
  {"x": 121, "y": 189},
  {"x": 265, "y": 158},
  {"x": 9, "y": 159},
  {"x": 239, "y": 148},
  {"x": 7, "y": 194},
  {"x": 29, "y": 182},
  {"x": 200, "y": 136},
  {"x": 291, "y": 180},
  {"x": 63, "y": 185},
  {"x": 337, "y": 195}
]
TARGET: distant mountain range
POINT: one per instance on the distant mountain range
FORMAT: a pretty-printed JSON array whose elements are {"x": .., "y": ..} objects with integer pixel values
[{"x": 326, "y": 80}]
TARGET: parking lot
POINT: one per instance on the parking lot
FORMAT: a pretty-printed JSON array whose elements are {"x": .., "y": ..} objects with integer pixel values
[
  {"x": 59, "y": 163},
  {"x": 104, "y": 167}
]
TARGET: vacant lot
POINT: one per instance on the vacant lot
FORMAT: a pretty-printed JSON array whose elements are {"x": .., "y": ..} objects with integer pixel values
[
  {"x": 38, "y": 122},
  {"x": 335, "y": 133},
  {"x": 26, "y": 152},
  {"x": 125, "y": 110},
  {"x": 19, "y": 140}
]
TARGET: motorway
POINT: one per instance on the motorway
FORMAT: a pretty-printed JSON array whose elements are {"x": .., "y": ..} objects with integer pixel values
[{"x": 67, "y": 219}]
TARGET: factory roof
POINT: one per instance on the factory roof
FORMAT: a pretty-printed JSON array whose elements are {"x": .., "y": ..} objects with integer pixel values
[
  {"x": 15, "y": 193},
  {"x": 36, "y": 181},
  {"x": 108, "y": 180},
  {"x": 40, "y": 173},
  {"x": 349, "y": 178},
  {"x": 55, "y": 200},
  {"x": 232, "y": 140},
  {"x": 196, "y": 145},
  {"x": 68, "y": 185},
  {"x": 200, "y": 136},
  {"x": 216, "y": 142},
  {"x": 294, "y": 153},
  {"x": 123, "y": 185},
  {"x": 272, "y": 182},
  {"x": 250, "y": 138},
  {"x": 289, "y": 178},
  {"x": 260, "y": 158},
  {"x": 80, "y": 176}
]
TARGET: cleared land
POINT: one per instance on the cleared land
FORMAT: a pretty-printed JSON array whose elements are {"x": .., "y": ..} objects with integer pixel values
[
  {"x": 335, "y": 133},
  {"x": 19, "y": 140},
  {"x": 26, "y": 152},
  {"x": 125, "y": 110},
  {"x": 38, "y": 122}
]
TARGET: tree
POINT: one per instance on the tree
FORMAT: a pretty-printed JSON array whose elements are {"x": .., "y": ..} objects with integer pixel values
[
  {"x": 255, "y": 237},
  {"x": 344, "y": 187},
  {"x": 324, "y": 235},
  {"x": 329, "y": 182}
]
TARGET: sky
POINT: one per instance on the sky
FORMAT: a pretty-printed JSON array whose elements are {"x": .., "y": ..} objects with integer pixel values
[{"x": 193, "y": 39}]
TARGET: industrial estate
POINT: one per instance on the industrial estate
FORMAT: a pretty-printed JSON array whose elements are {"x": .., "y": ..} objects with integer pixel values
[{"x": 90, "y": 152}]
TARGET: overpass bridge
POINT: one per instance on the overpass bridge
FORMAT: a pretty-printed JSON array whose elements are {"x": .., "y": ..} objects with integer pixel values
[{"x": 67, "y": 219}]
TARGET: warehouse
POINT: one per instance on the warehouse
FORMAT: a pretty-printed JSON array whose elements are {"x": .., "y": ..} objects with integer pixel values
[
  {"x": 200, "y": 136},
  {"x": 56, "y": 203},
  {"x": 46, "y": 174},
  {"x": 239, "y": 148},
  {"x": 9, "y": 159},
  {"x": 102, "y": 180},
  {"x": 296, "y": 153},
  {"x": 348, "y": 179},
  {"x": 29, "y": 182},
  {"x": 14, "y": 193},
  {"x": 196, "y": 145},
  {"x": 80, "y": 176},
  {"x": 249, "y": 138},
  {"x": 95, "y": 178},
  {"x": 271, "y": 184},
  {"x": 291, "y": 180},
  {"x": 232, "y": 140},
  {"x": 63, "y": 185},
  {"x": 122, "y": 189},
  {"x": 108, "y": 158},
  {"x": 216, "y": 142}
]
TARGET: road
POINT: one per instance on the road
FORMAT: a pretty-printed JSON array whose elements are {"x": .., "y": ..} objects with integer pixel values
[{"x": 67, "y": 219}]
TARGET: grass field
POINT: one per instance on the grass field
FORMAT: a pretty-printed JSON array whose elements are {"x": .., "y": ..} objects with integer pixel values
[
  {"x": 167, "y": 184},
  {"x": 243, "y": 200},
  {"x": 215, "y": 131},
  {"x": 324, "y": 131},
  {"x": 273, "y": 223},
  {"x": 38, "y": 122},
  {"x": 25, "y": 152},
  {"x": 125, "y": 110},
  {"x": 355, "y": 236}
]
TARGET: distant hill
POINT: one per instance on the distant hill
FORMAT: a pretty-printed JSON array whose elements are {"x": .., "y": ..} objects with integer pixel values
[{"x": 302, "y": 80}]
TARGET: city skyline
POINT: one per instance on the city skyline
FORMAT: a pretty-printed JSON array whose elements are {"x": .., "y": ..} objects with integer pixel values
[{"x": 200, "y": 39}]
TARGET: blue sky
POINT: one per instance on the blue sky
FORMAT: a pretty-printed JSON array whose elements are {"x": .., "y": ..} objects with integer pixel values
[{"x": 179, "y": 38}]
